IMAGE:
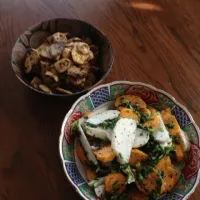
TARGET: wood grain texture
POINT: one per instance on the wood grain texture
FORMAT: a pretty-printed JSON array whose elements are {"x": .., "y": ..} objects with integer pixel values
[{"x": 157, "y": 42}]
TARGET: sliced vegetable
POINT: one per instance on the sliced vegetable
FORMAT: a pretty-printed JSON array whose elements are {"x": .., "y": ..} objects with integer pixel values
[
  {"x": 170, "y": 176},
  {"x": 137, "y": 156},
  {"x": 58, "y": 37},
  {"x": 36, "y": 82},
  {"x": 88, "y": 113},
  {"x": 101, "y": 117},
  {"x": 135, "y": 101},
  {"x": 164, "y": 163},
  {"x": 145, "y": 111},
  {"x": 141, "y": 138},
  {"x": 100, "y": 190},
  {"x": 91, "y": 174},
  {"x": 115, "y": 183},
  {"x": 62, "y": 65},
  {"x": 81, "y": 154},
  {"x": 153, "y": 122},
  {"x": 105, "y": 154},
  {"x": 61, "y": 90},
  {"x": 31, "y": 59},
  {"x": 85, "y": 143},
  {"x": 152, "y": 110},
  {"x": 123, "y": 139},
  {"x": 150, "y": 183},
  {"x": 160, "y": 132},
  {"x": 179, "y": 152},
  {"x": 129, "y": 113},
  {"x": 184, "y": 141},
  {"x": 171, "y": 122},
  {"x": 99, "y": 132},
  {"x": 44, "y": 88},
  {"x": 169, "y": 180},
  {"x": 79, "y": 55},
  {"x": 127, "y": 170},
  {"x": 99, "y": 181},
  {"x": 44, "y": 50},
  {"x": 102, "y": 108}
]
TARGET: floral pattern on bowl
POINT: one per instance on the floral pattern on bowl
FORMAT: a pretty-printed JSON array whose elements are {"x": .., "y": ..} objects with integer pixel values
[{"x": 189, "y": 178}]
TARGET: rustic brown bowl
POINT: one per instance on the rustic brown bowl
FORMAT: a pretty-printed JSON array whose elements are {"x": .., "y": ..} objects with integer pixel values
[{"x": 34, "y": 36}]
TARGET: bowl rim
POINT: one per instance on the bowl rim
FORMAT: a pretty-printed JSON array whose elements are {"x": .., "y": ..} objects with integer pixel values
[
  {"x": 73, "y": 94},
  {"x": 131, "y": 84}
]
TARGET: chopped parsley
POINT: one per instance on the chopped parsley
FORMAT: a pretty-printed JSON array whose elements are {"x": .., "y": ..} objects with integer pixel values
[
  {"x": 153, "y": 195},
  {"x": 150, "y": 130},
  {"x": 144, "y": 117},
  {"x": 170, "y": 125},
  {"x": 127, "y": 104},
  {"x": 116, "y": 185},
  {"x": 107, "y": 124},
  {"x": 74, "y": 127},
  {"x": 175, "y": 139},
  {"x": 143, "y": 173},
  {"x": 155, "y": 151},
  {"x": 91, "y": 125}
]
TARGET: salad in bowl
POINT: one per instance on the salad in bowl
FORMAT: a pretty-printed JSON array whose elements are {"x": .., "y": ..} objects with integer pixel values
[{"x": 129, "y": 146}]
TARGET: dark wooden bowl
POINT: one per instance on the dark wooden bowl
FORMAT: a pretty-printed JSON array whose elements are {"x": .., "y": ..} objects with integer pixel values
[{"x": 34, "y": 36}]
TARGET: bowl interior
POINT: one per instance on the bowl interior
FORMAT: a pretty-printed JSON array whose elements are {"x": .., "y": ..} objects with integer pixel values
[
  {"x": 157, "y": 98},
  {"x": 34, "y": 36}
]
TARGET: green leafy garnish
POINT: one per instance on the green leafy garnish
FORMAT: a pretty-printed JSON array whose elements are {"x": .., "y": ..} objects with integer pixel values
[
  {"x": 127, "y": 104},
  {"x": 107, "y": 124},
  {"x": 155, "y": 151},
  {"x": 74, "y": 127},
  {"x": 175, "y": 139},
  {"x": 144, "y": 117},
  {"x": 126, "y": 168},
  {"x": 170, "y": 125},
  {"x": 153, "y": 195},
  {"x": 91, "y": 125},
  {"x": 116, "y": 185},
  {"x": 143, "y": 173}
]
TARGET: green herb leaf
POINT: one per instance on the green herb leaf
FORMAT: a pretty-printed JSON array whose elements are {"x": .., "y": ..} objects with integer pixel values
[
  {"x": 144, "y": 117},
  {"x": 91, "y": 125},
  {"x": 170, "y": 125},
  {"x": 109, "y": 124},
  {"x": 175, "y": 139},
  {"x": 155, "y": 151}
]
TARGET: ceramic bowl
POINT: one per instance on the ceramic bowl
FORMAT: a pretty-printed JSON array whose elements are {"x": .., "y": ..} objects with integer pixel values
[
  {"x": 159, "y": 99},
  {"x": 34, "y": 36}
]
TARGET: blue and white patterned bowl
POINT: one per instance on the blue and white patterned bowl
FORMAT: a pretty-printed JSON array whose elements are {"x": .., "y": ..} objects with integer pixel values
[{"x": 159, "y": 99}]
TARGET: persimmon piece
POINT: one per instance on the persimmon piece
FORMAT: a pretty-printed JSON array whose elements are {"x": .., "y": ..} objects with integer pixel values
[
  {"x": 81, "y": 154},
  {"x": 115, "y": 182},
  {"x": 137, "y": 156},
  {"x": 91, "y": 174},
  {"x": 105, "y": 154},
  {"x": 128, "y": 113}
]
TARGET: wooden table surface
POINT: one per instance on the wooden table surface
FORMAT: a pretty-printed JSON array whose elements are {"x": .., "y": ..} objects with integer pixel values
[{"x": 157, "y": 42}]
